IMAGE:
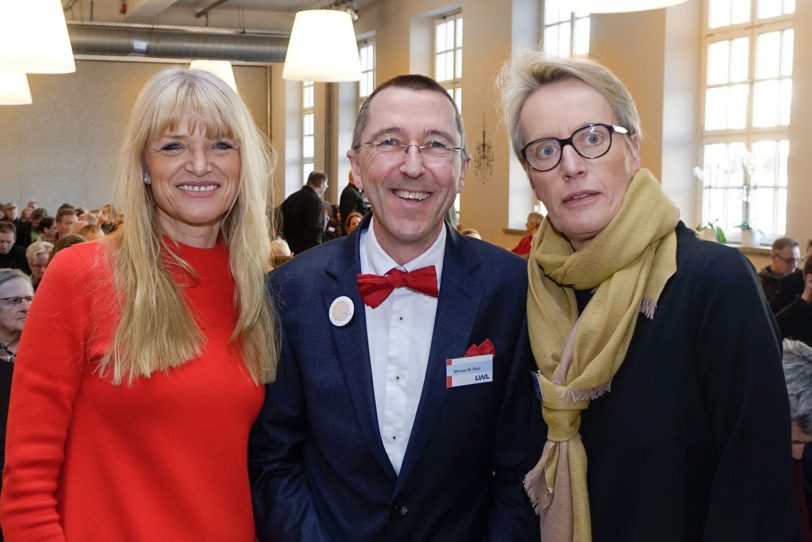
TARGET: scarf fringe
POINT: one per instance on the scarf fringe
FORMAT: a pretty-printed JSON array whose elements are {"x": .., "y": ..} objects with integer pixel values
[
  {"x": 576, "y": 396},
  {"x": 648, "y": 306}
]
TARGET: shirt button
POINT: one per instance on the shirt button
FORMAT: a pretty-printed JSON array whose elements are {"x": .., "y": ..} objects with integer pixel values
[{"x": 401, "y": 509}]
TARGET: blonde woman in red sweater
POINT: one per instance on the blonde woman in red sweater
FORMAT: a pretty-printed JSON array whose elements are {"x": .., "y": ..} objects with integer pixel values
[{"x": 142, "y": 365}]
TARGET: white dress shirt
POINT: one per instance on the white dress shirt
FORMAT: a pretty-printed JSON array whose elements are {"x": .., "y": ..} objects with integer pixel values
[{"x": 399, "y": 333}]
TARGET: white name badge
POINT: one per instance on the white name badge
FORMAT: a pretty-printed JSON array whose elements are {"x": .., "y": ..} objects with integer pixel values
[{"x": 468, "y": 370}]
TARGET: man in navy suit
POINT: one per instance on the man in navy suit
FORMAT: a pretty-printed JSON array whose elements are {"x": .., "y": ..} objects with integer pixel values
[{"x": 403, "y": 396}]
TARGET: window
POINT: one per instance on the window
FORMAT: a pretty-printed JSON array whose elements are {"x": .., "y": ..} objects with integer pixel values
[
  {"x": 448, "y": 64},
  {"x": 308, "y": 129},
  {"x": 566, "y": 33},
  {"x": 366, "y": 52},
  {"x": 448, "y": 55},
  {"x": 748, "y": 92}
]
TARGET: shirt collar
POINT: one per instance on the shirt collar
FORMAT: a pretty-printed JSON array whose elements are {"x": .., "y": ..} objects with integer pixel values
[{"x": 374, "y": 258}]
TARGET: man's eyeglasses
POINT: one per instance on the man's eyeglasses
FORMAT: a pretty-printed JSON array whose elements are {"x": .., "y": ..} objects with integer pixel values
[
  {"x": 15, "y": 302},
  {"x": 789, "y": 261},
  {"x": 591, "y": 141},
  {"x": 430, "y": 151}
]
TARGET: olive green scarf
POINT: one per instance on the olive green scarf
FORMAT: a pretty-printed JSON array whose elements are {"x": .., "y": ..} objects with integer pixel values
[{"x": 628, "y": 264}]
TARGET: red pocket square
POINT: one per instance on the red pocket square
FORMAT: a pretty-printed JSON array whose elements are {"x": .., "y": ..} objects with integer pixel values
[{"x": 485, "y": 348}]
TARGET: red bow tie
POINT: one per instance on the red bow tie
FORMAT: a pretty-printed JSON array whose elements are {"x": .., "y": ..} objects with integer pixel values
[{"x": 375, "y": 289}]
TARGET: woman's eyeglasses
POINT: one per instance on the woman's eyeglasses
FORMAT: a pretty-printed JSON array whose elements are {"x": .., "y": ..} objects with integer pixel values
[{"x": 591, "y": 141}]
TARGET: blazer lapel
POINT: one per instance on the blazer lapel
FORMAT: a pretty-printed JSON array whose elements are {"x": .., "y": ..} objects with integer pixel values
[
  {"x": 457, "y": 307},
  {"x": 352, "y": 346}
]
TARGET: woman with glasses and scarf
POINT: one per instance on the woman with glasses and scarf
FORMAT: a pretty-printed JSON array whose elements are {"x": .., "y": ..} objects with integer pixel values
[
  {"x": 145, "y": 355},
  {"x": 658, "y": 361}
]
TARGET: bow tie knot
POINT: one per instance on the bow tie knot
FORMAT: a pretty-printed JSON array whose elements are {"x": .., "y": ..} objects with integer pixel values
[{"x": 375, "y": 289}]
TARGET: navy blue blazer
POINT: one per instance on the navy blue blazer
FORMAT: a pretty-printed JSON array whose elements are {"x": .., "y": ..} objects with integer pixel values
[{"x": 318, "y": 467}]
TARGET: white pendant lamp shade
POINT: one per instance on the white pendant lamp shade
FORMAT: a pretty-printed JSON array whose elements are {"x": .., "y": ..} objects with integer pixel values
[
  {"x": 322, "y": 47},
  {"x": 619, "y": 6},
  {"x": 218, "y": 68},
  {"x": 34, "y": 37},
  {"x": 14, "y": 89}
]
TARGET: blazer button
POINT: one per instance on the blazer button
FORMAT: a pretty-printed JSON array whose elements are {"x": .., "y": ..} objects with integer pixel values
[{"x": 401, "y": 509}]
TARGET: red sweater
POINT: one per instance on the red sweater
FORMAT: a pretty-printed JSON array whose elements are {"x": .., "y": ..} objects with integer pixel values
[{"x": 161, "y": 460}]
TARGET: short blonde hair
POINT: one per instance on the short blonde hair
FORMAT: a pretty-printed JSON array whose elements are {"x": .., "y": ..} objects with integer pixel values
[
  {"x": 156, "y": 330},
  {"x": 528, "y": 71}
]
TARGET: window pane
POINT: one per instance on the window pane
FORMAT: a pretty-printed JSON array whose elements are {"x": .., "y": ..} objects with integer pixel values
[
  {"x": 307, "y": 169},
  {"x": 307, "y": 94},
  {"x": 785, "y": 103},
  {"x": 553, "y": 12},
  {"x": 740, "y": 12},
  {"x": 765, "y": 103},
  {"x": 739, "y": 51},
  {"x": 718, "y": 13},
  {"x": 551, "y": 40},
  {"x": 787, "y": 40},
  {"x": 439, "y": 36},
  {"x": 715, "y": 114},
  {"x": 580, "y": 42},
  {"x": 768, "y": 8},
  {"x": 768, "y": 55},
  {"x": 737, "y": 106},
  {"x": 307, "y": 124},
  {"x": 308, "y": 146},
  {"x": 459, "y": 33},
  {"x": 564, "y": 38},
  {"x": 762, "y": 205},
  {"x": 449, "y": 35},
  {"x": 765, "y": 162},
  {"x": 458, "y": 65},
  {"x": 718, "y": 57}
]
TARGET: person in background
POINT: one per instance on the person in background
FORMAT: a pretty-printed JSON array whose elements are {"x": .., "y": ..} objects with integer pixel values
[
  {"x": 797, "y": 363},
  {"x": 332, "y": 224},
  {"x": 38, "y": 255},
  {"x": 782, "y": 281},
  {"x": 532, "y": 225},
  {"x": 303, "y": 214},
  {"x": 138, "y": 378},
  {"x": 91, "y": 232},
  {"x": 16, "y": 294},
  {"x": 471, "y": 232},
  {"x": 353, "y": 200},
  {"x": 280, "y": 252},
  {"x": 368, "y": 435},
  {"x": 352, "y": 221},
  {"x": 65, "y": 219},
  {"x": 11, "y": 255},
  {"x": 36, "y": 216},
  {"x": 623, "y": 296},
  {"x": 795, "y": 320},
  {"x": 47, "y": 229},
  {"x": 24, "y": 228}
]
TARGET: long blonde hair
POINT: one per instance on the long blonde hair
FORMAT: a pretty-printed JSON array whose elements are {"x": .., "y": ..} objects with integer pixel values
[{"x": 156, "y": 330}]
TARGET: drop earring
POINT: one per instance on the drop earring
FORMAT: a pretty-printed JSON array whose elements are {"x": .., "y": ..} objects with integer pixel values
[{"x": 147, "y": 180}]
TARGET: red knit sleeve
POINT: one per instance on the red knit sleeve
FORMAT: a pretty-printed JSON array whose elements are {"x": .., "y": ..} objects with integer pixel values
[{"x": 49, "y": 368}]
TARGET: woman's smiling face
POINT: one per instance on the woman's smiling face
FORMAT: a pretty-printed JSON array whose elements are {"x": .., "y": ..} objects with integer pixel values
[{"x": 194, "y": 179}]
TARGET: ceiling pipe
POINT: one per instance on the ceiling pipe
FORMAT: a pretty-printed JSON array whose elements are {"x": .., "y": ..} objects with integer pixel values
[{"x": 154, "y": 41}]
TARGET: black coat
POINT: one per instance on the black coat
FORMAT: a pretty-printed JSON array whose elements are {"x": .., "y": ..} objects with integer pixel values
[{"x": 302, "y": 219}]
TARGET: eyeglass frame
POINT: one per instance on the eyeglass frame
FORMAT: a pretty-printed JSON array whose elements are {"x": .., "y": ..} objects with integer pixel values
[
  {"x": 790, "y": 261},
  {"x": 17, "y": 300},
  {"x": 613, "y": 129},
  {"x": 379, "y": 145}
]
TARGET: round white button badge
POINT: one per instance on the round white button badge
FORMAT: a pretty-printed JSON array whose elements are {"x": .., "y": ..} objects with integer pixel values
[{"x": 341, "y": 311}]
